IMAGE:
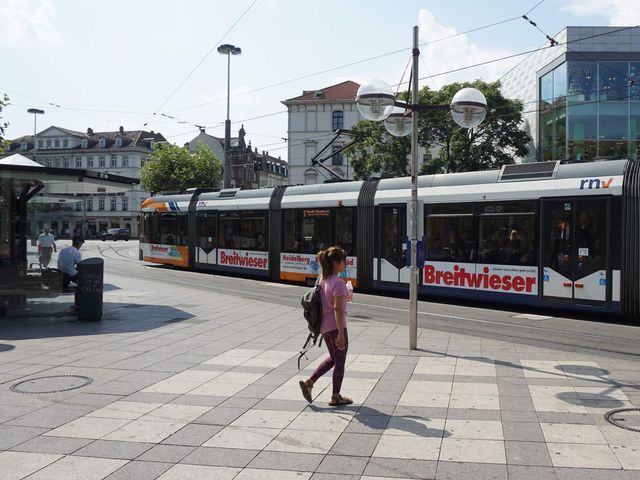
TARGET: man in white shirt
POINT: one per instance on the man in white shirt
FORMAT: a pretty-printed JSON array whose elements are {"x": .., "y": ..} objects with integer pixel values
[
  {"x": 68, "y": 258},
  {"x": 46, "y": 245}
]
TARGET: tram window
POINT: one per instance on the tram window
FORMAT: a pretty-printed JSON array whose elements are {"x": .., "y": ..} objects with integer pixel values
[
  {"x": 450, "y": 238},
  {"x": 181, "y": 223},
  {"x": 147, "y": 228},
  {"x": 507, "y": 239},
  {"x": 206, "y": 228},
  {"x": 291, "y": 238},
  {"x": 243, "y": 230},
  {"x": 316, "y": 230},
  {"x": 345, "y": 229},
  {"x": 168, "y": 229}
]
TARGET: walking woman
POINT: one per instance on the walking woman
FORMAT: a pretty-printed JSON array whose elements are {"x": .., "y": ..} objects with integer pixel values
[{"x": 334, "y": 324}]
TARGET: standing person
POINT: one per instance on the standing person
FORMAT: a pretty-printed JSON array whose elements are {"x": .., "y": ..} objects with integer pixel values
[
  {"x": 67, "y": 261},
  {"x": 333, "y": 326},
  {"x": 46, "y": 245}
]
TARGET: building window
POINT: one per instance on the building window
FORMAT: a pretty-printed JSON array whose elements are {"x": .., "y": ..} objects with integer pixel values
[
  {"x": 337, "y": 120},
  {"x": 78, "y": 162},
  {"x": 85, "y": 143},
  {"x": 114, "y": 161},
  {"x": 48, "y": 162},
  {"x": 125, "y": 160},
  {"x": 118, "y": 141},
  {"x": 101, "y": 162},
  {"x": 56, "y": 143},
  {"x": 337, "y": 158},
  {"x": 89, "y": 204},
  {"x": 23, "y": 145},
  {"x": 66, "y": 162},
  {"x": 114, "y": 204},
  {"x": 89, "y": 162},
  {"x": 78, "y": 206},
  {"x": 101, "y": 203},
  {"x": 56, "y": 163},
  {"x": 40, "y": 144},
  {"x": 103, "y": 142},
  {"x": 48, "y": 143},
  {"x": 141, "y": 163},
  {"x": 65, "y": 143},
  {"x": 125, "y": 203}
]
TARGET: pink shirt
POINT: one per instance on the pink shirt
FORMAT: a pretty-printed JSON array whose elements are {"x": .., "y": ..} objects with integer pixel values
[{"x": 332, "y": 287}]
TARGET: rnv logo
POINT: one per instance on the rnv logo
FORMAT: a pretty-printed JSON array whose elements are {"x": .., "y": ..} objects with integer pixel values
[{"x": 590, "y": 183}]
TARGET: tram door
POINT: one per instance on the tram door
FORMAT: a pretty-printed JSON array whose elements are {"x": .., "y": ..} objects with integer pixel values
[
  {"x": 392, "y": 244},
  {"x": 575, "y": 252}
]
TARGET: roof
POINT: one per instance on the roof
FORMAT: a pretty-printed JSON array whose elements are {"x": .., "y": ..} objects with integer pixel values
[
  {"x": 18, "y": 159},
  {"x": 345, "y": 91},
  {"x": 130, "y": 138}
]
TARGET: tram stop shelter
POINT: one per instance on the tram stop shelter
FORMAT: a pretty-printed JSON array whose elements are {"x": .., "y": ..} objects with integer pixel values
[{"x": 24, "y": 184}]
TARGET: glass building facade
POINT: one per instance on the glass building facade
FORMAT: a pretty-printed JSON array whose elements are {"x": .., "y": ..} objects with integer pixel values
[{"x": 589, "y": 110}]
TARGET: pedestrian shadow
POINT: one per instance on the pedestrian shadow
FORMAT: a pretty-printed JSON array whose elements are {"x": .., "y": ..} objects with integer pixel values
[
  {"x": 378, "y": 422},
  {"x": 5, "y": 347}
]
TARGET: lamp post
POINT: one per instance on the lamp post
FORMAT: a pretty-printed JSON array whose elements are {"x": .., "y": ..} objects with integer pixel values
[
  {"x": 36, "y": 112},
  {"x": 228, "y": 50},
  {"x": 376, "y": 101}
]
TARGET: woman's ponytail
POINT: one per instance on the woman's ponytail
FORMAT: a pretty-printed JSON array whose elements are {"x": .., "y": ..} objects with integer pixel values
[{"x": 327, "y": 257}]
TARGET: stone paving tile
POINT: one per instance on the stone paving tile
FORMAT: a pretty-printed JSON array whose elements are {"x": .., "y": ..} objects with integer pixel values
[
  {"x": 368, "y": 423},
  {"x": 628, "y": 456},
  {"x": 201, "y": 400},
  {"x": 248, "y": 438},
  {"x": 150, "y": 397},
  {"x": 56, "y": 445},
  {"x": 303, "y": 441},
  {"x": 112, "y": 449},
  {"x": 49, "y": 417},
  {"x": 470, "y": 471},
  {"x": 527, "y": 453},
  {"x": 191, "y": 472},
  {"x": 337, "y": 476},
  {"x": 401, "y": 468},
  {"x": 580, "y": 455},
  {"x": 305, "y": 462},
  {"x": 343, "y": 464},
  {"x": 78, "y": 468},
  {"x": 471, "y": 450},
  {"x": 140, "y": 471},
  {"x": 17, "y": 465},
  {"x": 192, "y": 435},
  {"x": 144, "y": 431},
  {"x": 223, "y": 457},
  {"x": 220, "y": 416},
  {"x": 394, "y": 446},
  {"x": 520, "y": 472},
  {"x": 572, "y": 433},
  {"x": 463, "y": 414},
  {"x": 586, "y": 474},
  {"x": 355, "y": 444},
  {"x": 166, "y": 453},
  {"x": 522, "y": 431}
]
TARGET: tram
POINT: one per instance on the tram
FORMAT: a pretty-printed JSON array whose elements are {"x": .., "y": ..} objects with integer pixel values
[{"x": 564, "y": 236}]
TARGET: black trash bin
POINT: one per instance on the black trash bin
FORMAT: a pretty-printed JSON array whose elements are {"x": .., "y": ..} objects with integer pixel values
[{"x": 89, "y": 289}]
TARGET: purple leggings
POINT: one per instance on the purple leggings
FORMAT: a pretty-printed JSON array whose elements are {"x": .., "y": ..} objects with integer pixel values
[{"x": 335, "y": 360}]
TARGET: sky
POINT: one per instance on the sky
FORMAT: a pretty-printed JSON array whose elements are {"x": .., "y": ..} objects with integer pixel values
[{"x": 153, "y": 64}]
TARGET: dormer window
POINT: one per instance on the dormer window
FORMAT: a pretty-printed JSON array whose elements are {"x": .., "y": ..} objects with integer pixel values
[
  {"x": 65, "y": 143},
  {"x": 103, "y": 142},
  {"x": 56, "y": 143},
  {"x": 318, "y": 94},
  {"x": 85, "y": 143},
  {"x": 23, "y": 145},
  {"x": 118, "y": 141}
]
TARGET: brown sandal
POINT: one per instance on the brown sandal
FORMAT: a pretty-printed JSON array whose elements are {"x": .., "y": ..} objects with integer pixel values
[
  {"x": 306, "y": 391},
  {"x": 340, "y": 401}
]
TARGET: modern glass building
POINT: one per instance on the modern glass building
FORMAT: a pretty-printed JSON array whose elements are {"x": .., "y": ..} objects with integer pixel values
[{"x": 582, "y": 97}]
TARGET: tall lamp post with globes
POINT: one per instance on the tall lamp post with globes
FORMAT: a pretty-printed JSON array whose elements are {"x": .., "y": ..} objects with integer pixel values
[
  {"x": 36, "y": 112},
  {"x": 228, "y": 50},
  {"x": 376, "y": 101}
]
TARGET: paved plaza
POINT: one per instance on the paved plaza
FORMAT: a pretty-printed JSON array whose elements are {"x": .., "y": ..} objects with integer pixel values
[{"x": 192, "y": 385}]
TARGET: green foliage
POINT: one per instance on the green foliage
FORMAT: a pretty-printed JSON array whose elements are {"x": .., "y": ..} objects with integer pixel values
[
  {"x": 379, "y": 153},
  {"x": 495, "y": 142},
  {"x": 4, "y": 101},
  {"x": 173, "y": 168}
]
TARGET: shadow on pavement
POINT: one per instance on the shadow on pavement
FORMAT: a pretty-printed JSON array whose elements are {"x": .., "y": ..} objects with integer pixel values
[{"x": 59, "y": 320}]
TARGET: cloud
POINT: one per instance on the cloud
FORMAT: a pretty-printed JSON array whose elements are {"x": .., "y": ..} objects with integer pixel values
[
  {"x": 28, "y": 23},
  {"x": 452, "y": 53},
  {"x": 617, "y": 12}
]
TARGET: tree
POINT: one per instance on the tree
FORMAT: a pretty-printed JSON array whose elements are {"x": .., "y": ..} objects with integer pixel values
[
  {"x": 4, "y": 101},
  {"x": 173, "y": 168},
  {"x": 378, "y": 153},
  {"x": 495, "y": 142}
]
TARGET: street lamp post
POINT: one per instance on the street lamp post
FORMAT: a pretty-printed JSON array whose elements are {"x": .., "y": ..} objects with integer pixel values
[
  {"x": 36, "y": 112},
  {"x": 376, "y": 101},
  {"x": 228, "y": 50}
]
